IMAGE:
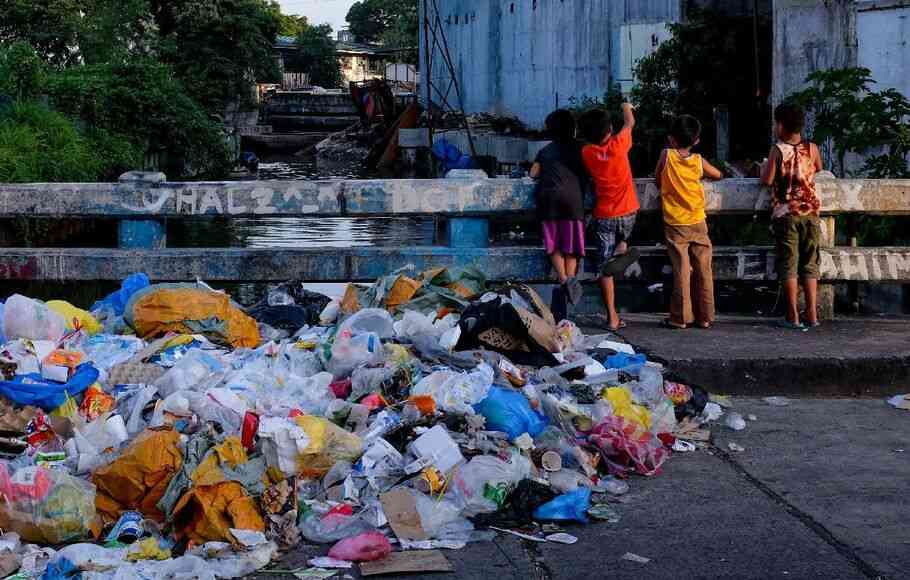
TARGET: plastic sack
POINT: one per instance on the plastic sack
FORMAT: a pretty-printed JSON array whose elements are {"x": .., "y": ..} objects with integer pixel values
[
  {"x": 328, "y": 444},
  {"x": 572, "y": 506},
  {"x": 349, "y": 352},
  {"x": 457, "y": 392},
  {"x": 116, "y": 301},
  {"x": 375, "y": 320},
  {"x": 649, "y": 389},
  {"x": 510, "y": 411},
  {"x": 282, "y": 443},
  {"x": 35, "y": 391},
  {"x": 441, "y": 519},
  {"x": 627, "y": 445},
  {"x": 620, "y": 399},
  {"x": 325, "y": 528},
  {"x": 482, "y": 484},
  {"x": 73, "y": 316},
  {"x": 45, "y": 506},
  {"x": 364, "y": 547},
  {"x": 629, "y": 363},
  {"x": 31, "y": 319},
  {"x": 196, "y": 367},
  {"x": 190, "y": 309}
]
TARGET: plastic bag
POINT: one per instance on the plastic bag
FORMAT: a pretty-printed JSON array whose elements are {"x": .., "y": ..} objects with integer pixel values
[
  {"x": 328, "y": 444},
  {"x": 627, "y": 445},
  {"x": 483, "y": 483},
  {"x": 457, "y": 392},
  {"x": 33, "y": 390},
  {"x": 630, "y": 363},
  {"x": 73, "y": 316},
  {"x": 572, "y": 506},
  {"x": 329, "y": 314},
  {"x": 116, "y": 301},
  {"x": 31, "y": 319},
  {"x": 195, "y": 368},
  {"x": 45, "y": 506},
  {"x": 441, "y": 519},
  {"x": 324, "y": 527},
  {"x": 620, "y": 399},
  {"x": 649, "y": 389},
  {"x": 369, "y": 320},
  {"x": 349, "y": 352},
  {"x": 282, "y": 443},
  {"x": 510, "y": 411},
  {"x": 364, "y": 547}
]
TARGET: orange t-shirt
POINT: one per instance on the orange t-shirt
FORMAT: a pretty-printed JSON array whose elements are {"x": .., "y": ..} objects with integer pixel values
[{"x": 611, "y": 173}]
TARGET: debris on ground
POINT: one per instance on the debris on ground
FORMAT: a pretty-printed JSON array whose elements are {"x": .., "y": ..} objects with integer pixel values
[
  {"x": 901, "y": 402},
  {"x": 169, "y": 430}
]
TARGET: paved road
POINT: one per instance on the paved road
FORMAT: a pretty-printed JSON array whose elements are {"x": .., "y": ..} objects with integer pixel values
[{"x": 819, "y": 492}]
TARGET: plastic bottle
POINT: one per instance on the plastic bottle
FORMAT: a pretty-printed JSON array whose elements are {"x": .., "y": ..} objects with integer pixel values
[{"x": 385, "y": 422}]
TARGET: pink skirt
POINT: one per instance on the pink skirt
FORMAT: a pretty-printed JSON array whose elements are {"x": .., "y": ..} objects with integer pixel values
[{"x": 564, "y": 236}]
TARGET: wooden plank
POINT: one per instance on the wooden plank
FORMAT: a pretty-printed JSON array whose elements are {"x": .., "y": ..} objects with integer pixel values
[
  {"x": 408, "y": 562},
  {"x": 366, "y": 264}
]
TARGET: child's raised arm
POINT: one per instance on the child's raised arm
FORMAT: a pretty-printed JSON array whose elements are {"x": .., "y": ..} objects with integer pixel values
[
  {"x": 661, "y": 164},
  {"x": 628, "y": 116},
  {"x": 709, "y": 171},
  {"x": 769, "y": 171}
]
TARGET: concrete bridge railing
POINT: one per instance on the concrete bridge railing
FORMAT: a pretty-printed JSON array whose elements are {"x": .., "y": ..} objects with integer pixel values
[{"x": 142, "y": 202}]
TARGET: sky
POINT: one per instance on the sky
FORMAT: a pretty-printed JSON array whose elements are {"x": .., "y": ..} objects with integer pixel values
[{"x": 319, "y": 11}]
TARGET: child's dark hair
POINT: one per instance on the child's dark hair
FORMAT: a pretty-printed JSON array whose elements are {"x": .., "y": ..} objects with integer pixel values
[
  {"x": 791, "y": 116},
  {"x": 596, "y": 125},
  {"x": 686, "y": 131},
  {"x": 560, "y": 125}
]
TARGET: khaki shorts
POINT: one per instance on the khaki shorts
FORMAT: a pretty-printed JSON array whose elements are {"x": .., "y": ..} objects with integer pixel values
[{"x": 798, "y": 241}]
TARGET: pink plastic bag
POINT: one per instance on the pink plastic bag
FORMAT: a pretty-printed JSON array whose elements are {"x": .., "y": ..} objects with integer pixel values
[
  {"x": 626, "y": 445},
  {"x": 364, "y": 547}
]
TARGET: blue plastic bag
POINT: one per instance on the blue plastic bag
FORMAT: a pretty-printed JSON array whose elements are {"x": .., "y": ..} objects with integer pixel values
[
  {"x": 510, "y": 411},
  {"x": 572, "y": 506},
  {"x": 36, "y": 391},
  {"x": 116, "y": 301},
  {"x": 629, "y": 363}
]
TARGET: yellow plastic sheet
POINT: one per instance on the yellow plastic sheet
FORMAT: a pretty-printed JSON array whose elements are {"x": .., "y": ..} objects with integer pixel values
[
  {"x": 207, "y": 513},
  {"x": 621, "y": 400},
  {"x": 139, "y": 477},
  {"x": 328, "y": 445}
]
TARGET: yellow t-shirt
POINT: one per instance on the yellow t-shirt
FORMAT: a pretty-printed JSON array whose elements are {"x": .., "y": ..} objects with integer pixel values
[{"x": 681, "y": 191}]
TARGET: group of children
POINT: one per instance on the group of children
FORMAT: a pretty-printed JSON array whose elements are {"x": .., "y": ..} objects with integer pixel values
[{"x": 568, "y": 166}]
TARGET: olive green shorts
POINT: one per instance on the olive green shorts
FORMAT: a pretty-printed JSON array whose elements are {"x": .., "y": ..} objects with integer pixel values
[{"x": 798, "y": 241}]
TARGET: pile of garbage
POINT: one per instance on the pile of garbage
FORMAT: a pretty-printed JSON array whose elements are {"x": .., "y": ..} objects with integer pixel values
[{"x": 168, "y": 430}]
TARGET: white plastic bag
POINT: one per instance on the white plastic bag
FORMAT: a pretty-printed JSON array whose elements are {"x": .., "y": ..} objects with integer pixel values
[
  {"x": 375, "y": 320},
  {"x": 456, "y": 392},
  {"x": 31, "y": 319},
  {"x": 349, "y": 352},
  {"x": 467, "y": 488}
]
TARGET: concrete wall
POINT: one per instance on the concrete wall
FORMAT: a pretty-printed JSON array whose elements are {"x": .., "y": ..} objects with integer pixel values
[
  {"x": 526, "y": 57},
  {"x": 883, "y": 37}
]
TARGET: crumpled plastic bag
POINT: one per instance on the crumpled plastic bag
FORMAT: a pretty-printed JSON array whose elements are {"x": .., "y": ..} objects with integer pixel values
[
  {"x": 328, "y": 445},
  {"x": 282, "y": 443},
  {"x": 31, "y": 319},
  {"x": 208, "y": 512},
  {"x": 626, "y": 445},
  {"x": 139, "y": 477},
  {"x": 509, "y": 411},
  {"x": 349, "y": 352},
  {"x": 364, "y": 547},
  {"x": 375, "y": 320},
  {"x": 191, "y": 309},
  {"x": 620, "y": 399},
  {"x": 34, "y": 390},
  {"x": 481, "y": 485},
  {"x": 456, "y": 392},
  {"x": 73, "y": 316},
  {"x": 46, "y": 506},
  {"x": 572, "y": 506}
]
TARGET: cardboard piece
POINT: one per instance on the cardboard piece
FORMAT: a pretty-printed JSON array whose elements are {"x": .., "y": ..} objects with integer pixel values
[
  {"x": 404, "y": 562},
  {"x": 401, "y": 510}
]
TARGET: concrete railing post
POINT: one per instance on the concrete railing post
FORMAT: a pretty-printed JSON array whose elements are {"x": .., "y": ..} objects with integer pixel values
[
  {"x": 826, "y": 291},
  {"x": 141, "y": 234},
  {"x": 468, "y": 232}
]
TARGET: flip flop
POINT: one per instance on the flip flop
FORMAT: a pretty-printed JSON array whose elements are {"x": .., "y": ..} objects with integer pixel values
[
  {"x": 622, "y": 324},
  {"x": 706, "y": 326},
  {"x": 787, "y": 325},
  {"x": 618, "y": 264},
  {"x": 666, "y": 323}
]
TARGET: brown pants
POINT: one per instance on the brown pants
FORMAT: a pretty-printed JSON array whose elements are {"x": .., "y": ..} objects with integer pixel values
[{"x": 690, "y": 253}]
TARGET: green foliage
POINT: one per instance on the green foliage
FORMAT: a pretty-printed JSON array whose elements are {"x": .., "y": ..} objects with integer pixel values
[
  {"x": 392, "y": 23},
  {"x": 849, "y": 117},
  {"x": 50, "y": 26},
  {"x": 218, "y": 48},
  {"x": 115, "y": 30},
  {"x": 40, "y": 145},
  {"x": 290, "y": 24},
  {"x": 317, "y": 57},
  {"x": 21, "y": 70},
  {"x": 145, "y": 103}
]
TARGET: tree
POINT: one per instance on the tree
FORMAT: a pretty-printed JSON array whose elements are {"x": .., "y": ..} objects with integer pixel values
[
  {"x": 316, "y": 56},
  {"x": 115, "y": 30},
  {"x": 218, "y": 48},
  {"x": 392, "y": 23},
  {"x": 849, "y": 117},
  {"x": 21, "y": 70},
  {"x": 50, "y": 26}
]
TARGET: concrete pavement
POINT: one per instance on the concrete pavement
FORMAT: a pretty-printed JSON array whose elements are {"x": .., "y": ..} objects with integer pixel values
[{"x": 819, "y": 492}]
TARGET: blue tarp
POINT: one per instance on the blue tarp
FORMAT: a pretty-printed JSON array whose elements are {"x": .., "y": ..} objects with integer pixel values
[{"x": 36, "y": 391}]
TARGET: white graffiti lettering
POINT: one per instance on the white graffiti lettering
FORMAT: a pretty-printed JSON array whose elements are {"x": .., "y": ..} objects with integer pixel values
[
  {"x": 210, "y": 200},
  {"x": 263, "y": 199},
  {"x": 187, "y": 197},
  {"x": 231, "y": 208}
]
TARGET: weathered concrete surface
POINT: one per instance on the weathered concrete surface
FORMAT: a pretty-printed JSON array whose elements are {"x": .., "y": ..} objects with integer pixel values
[
  {"x": 394, "y": 197},
  {"x": 818, "y": 493},
  {"x": 302, "y": 103},
  {"x": 369, "y": 263},
  {"x": 751, "y": 356}
]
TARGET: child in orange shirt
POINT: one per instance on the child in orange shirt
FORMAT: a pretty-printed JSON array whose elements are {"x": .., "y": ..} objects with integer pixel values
[
  {"x": 607, "y": 160},
  {"x": 679, "y": 178}
]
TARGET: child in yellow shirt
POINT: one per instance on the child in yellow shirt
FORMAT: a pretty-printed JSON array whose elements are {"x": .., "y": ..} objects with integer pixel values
[{"x": 679, "y": 177}]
